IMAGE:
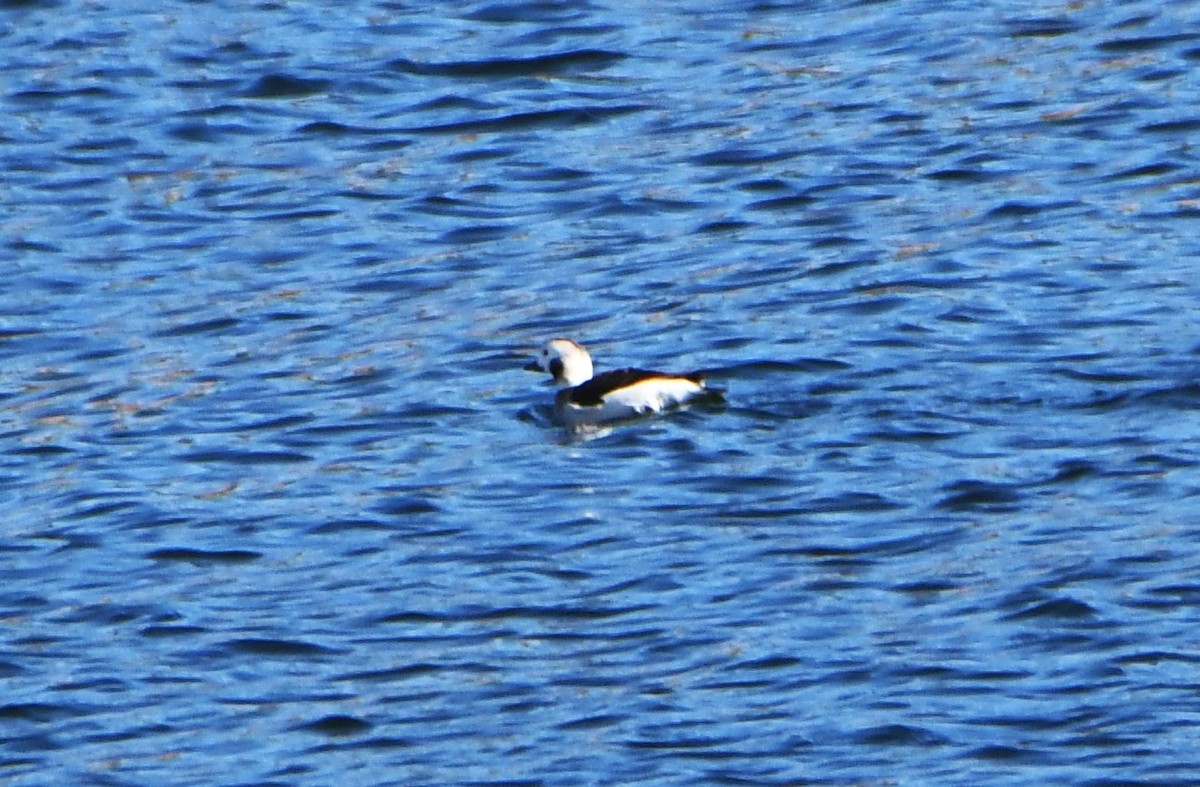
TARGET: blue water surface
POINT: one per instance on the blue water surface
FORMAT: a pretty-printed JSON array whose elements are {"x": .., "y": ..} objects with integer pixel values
[{"x": 281, "y": 507}]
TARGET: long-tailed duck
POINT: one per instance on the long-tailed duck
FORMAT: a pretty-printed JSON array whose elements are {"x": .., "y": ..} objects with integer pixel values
[{"x": 615, "y": 395}]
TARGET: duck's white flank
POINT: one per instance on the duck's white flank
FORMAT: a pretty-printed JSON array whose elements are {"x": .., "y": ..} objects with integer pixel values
[{"x": 611, "y": 396}]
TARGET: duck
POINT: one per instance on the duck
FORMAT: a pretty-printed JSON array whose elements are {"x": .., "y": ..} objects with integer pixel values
[{"x": 586, "y": 399}]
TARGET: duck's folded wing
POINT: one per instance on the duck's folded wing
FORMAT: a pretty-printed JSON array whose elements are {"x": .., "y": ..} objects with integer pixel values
[
  {"x": 636, "y": 391},
  {"x": 593, "y": 392}
]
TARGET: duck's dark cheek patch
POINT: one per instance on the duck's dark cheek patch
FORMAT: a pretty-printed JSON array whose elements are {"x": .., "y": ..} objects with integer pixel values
[{"x": 556, "y": 368}]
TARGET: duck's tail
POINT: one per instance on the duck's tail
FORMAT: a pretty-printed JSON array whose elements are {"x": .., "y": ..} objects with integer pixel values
[{"x": 710, "y": 394}]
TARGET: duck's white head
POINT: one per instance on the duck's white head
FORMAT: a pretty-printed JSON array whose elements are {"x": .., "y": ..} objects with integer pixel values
[{"x": 566, "y": 361}]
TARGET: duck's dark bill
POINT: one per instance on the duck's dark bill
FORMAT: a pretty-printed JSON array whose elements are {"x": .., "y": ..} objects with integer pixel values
[{"x": 532, "y": 366}]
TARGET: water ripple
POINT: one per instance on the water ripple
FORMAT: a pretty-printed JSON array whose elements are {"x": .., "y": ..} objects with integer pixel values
[{"x": 279, "y": 501}]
